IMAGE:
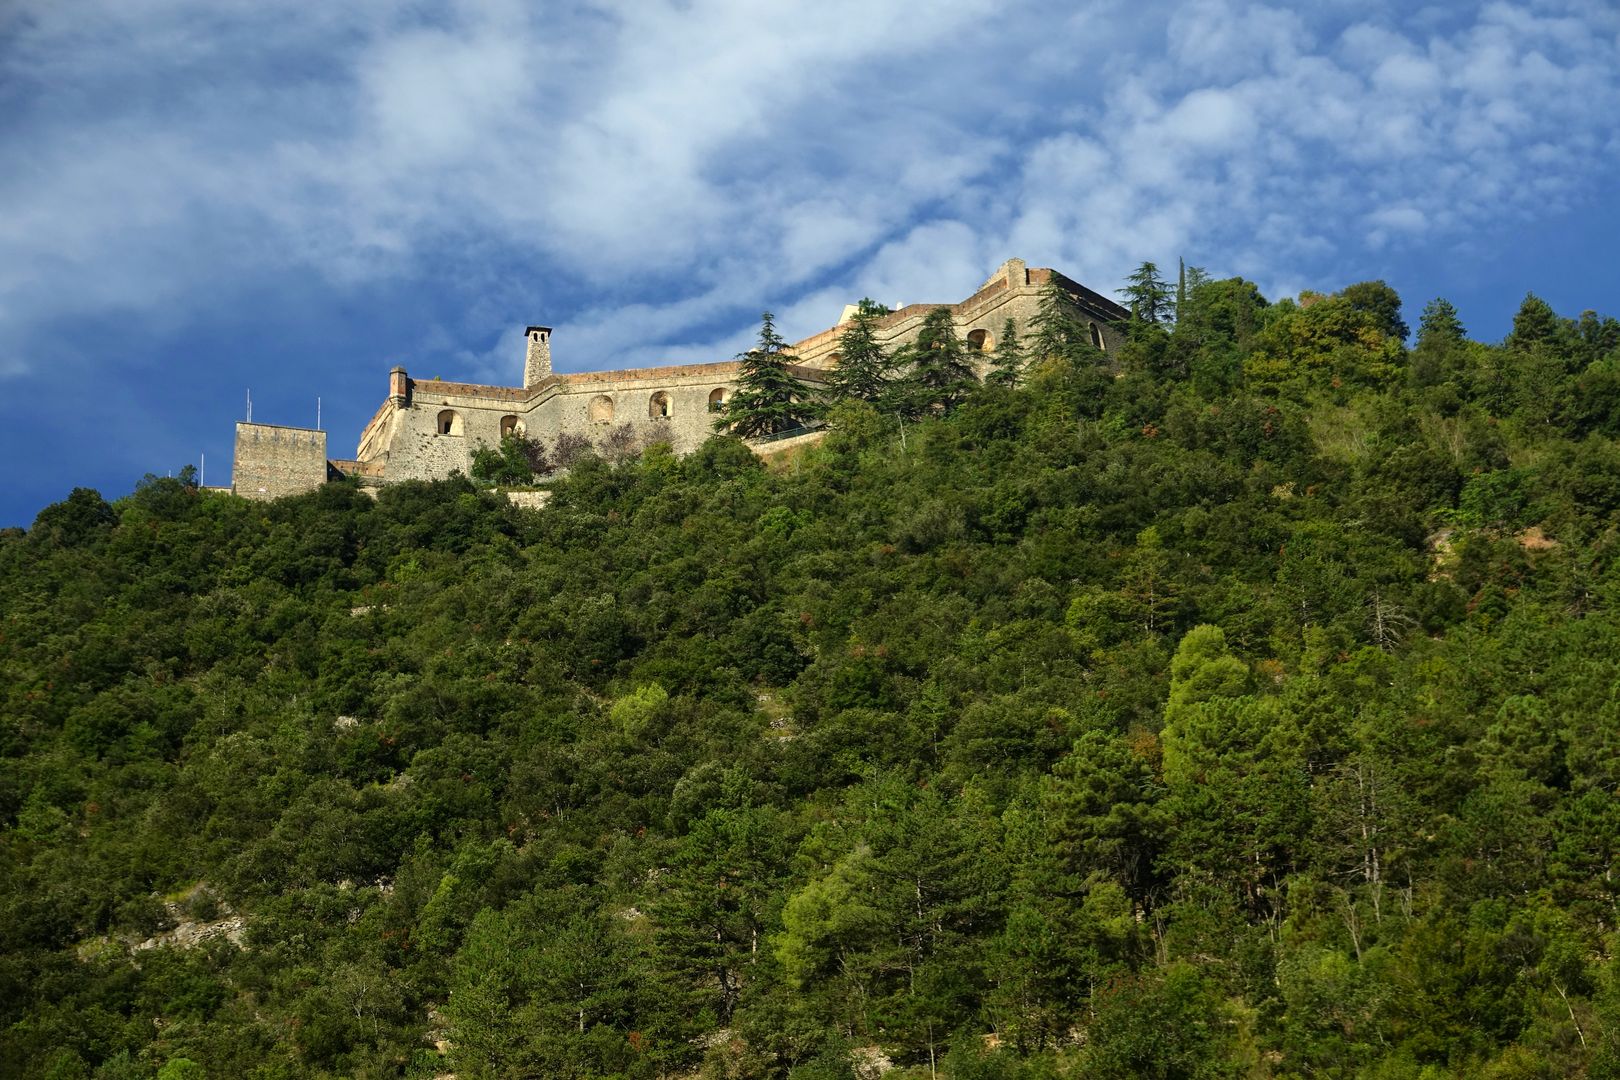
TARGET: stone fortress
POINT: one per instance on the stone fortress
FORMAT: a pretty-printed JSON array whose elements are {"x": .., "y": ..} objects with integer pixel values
[{"x": 427, "y": 430}]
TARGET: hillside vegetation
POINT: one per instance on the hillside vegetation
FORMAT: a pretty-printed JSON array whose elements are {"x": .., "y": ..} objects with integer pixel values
[{"x": 1241, "y": 703}]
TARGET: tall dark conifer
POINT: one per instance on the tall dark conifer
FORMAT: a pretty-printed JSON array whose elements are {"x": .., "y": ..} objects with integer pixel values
[
  {"x": 1056, "y": 331},
  {"x": 769, "y": 397},
  {"x": 941, "y": 372},
  {"x": 1535, "y": 324},
  {"x": 1439, "y": 325},
  {"x": 1147, "y": 295},
  {"x": 864, "y": 368},
  {"x": 1007, "y": 362}
]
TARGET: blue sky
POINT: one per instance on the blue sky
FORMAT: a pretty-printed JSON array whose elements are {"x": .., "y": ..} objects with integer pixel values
[{"x": 202, "y": 197}]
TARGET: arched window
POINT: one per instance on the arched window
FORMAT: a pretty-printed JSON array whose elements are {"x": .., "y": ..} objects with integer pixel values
[
  {"x": 601, "y": 410},
  {"x": 981, "y": 341},
  {"x": 1096, "y": 337},
  {"x": 717, "y": 398},
  {"x": 511, "y": 425},
  {"x": 449, "y": 422},
  {"x": 658, "y": 406}
]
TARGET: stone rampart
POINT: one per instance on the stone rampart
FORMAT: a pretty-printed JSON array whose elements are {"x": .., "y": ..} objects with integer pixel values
[
  {"x": 434, "y": 428},
  {"x": 426, "y": 430},
  {"x": 1013, "y": 292},
  {"x": 374, "y": 436}
]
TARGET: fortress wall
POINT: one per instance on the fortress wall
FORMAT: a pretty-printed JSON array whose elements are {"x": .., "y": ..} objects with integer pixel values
[
  {"x": 513, "y": 395},
  {"x": 374, "y": 437},
  {"x": 594, "y": 404},
  {"x": 272, "y": 461},
  {"x": 418, "y": 450},
  {"x": 1014, "y": 293},
  {"x": 404, "y": 440},
  {"x": 1090, "y": 300},
  {"x": 989, "y": 313}
]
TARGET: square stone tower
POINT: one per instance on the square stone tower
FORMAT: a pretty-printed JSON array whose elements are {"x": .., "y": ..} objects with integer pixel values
[{"x": 272, "y": 461}]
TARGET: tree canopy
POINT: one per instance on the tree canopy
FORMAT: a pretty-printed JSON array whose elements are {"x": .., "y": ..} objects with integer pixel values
[{"x": 1241, "y": 704}]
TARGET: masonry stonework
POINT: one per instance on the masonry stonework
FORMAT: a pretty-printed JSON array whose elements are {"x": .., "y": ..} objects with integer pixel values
[
  {"x": 272, "y": 461},
  {"x": 428, "y": 429},
  {"x": 1012, "y": 292}
]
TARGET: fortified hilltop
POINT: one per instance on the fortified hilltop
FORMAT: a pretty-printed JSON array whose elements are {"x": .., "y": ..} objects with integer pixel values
[{"x": 428, "y": 429}]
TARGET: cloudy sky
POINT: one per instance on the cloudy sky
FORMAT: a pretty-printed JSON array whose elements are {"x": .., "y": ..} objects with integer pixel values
[{"x": 203, "y": 197}]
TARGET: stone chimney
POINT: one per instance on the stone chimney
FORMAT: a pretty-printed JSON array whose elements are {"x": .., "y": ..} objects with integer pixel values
[{"x": 538, "y": 364}]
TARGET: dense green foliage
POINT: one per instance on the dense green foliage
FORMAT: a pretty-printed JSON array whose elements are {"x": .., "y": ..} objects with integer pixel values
[
  {"x": 516, "y": 461},
  {"x": 1244, "y": 703}
]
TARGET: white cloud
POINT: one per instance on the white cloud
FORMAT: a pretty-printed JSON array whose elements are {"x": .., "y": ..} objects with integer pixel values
[
  {"x": 1217, "y": 39},
  {"x": 688, "y": 163},
  {"x": 1211, "y": 121},
  {"x": 1386, "y": 137}
]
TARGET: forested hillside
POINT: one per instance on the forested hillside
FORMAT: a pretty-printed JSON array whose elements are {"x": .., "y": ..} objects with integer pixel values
[{"x": 1241, "y": 703}]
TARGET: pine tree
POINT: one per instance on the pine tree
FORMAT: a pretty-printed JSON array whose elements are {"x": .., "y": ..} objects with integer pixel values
[
  {"x": 1007, "y": 362},
  {"x": 1102, "y": 816},
  {"x": 1535, "y": 324},
  {"x": 1147, "y": 295},
  {"x": 769, "y": 397},
  {"x": 941, "y": 374},
  {"x": 864, "y": 368},
  {"x": 1188, "y": 281},
  {"x": 1439, "y": 325},
  {"x": 1056, "y": 329},
  {"x": 713, "y": 907}
]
